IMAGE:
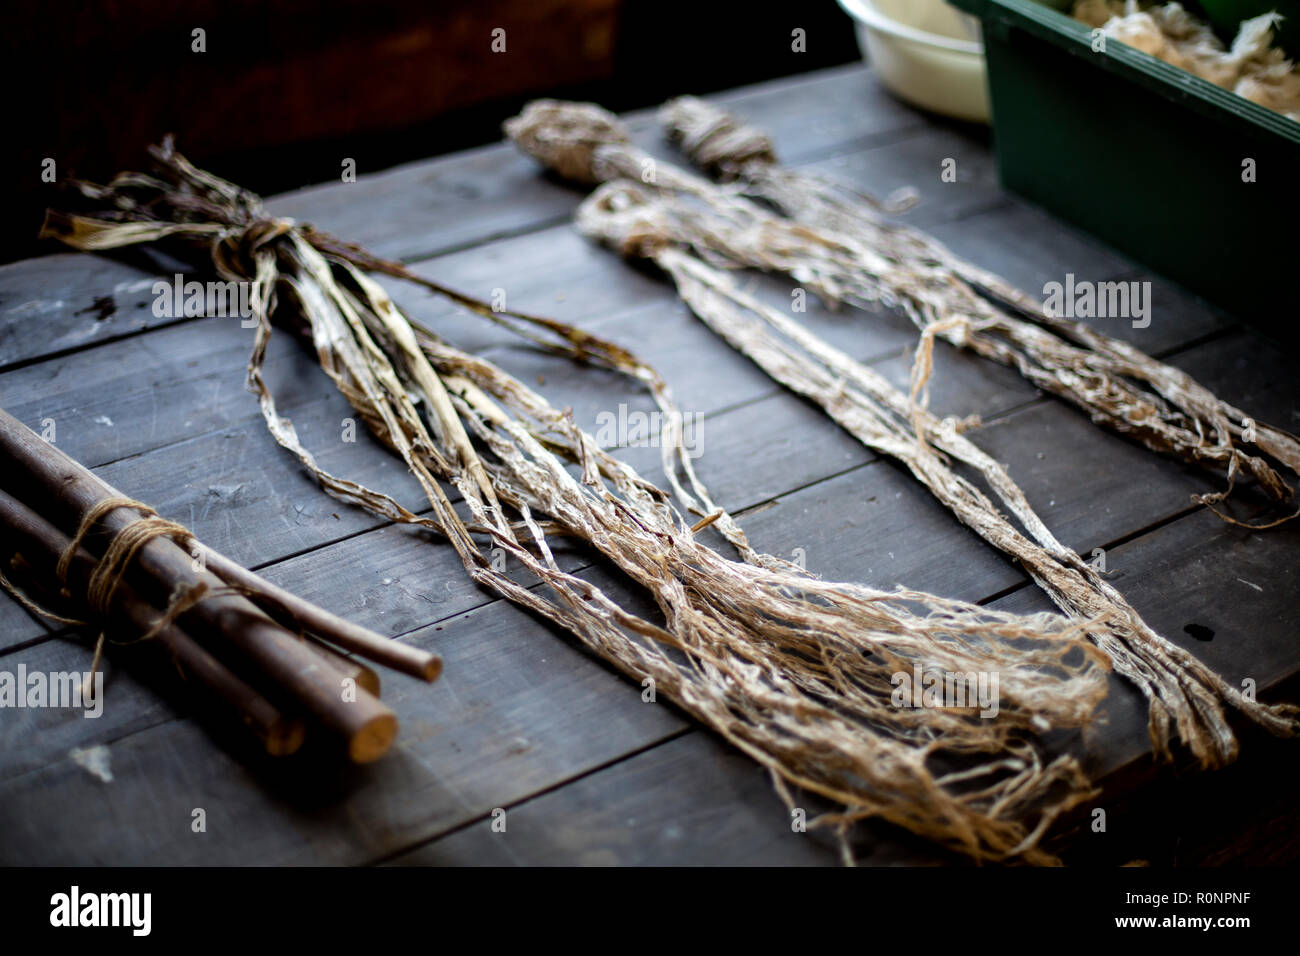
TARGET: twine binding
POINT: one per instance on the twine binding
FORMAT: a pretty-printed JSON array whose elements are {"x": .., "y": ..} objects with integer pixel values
[{"x": 110, "y": 571}]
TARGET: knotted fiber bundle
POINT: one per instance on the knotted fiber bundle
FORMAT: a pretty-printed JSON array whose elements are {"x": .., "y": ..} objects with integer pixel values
[
  {"x": 794, "y": 671},
  {"x": 681, "y": 220}
]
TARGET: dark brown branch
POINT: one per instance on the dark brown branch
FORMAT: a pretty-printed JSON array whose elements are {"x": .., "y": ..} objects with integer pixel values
[
  {"x": 301, "y": 675},
  {"x": 40, "y": 543}
]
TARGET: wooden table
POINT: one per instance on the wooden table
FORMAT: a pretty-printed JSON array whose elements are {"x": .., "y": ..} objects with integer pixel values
[{"x": 523, "y": 720}]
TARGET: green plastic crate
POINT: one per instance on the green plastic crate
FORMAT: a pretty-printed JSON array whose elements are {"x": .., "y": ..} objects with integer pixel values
[{"x": 1149, "y": 158}]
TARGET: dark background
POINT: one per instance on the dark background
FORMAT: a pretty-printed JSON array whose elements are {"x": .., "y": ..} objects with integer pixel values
[{"x": 286, "y": 90}]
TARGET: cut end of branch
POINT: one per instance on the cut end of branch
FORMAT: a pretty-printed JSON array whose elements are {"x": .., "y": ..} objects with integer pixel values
[
  {"x": 285, "y": 737},
  {"x": 373, "y": 739}
]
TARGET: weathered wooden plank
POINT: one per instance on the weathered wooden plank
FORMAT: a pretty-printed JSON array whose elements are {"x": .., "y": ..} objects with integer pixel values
[
  {"x": 553, "y": 272},
  {"x": 951, "y": 168},
  {"x": 831, "y": 110},
  {"x": 426, "y": 207},
  {"x": 875, "y": 525},
  {"x": 248, "y": 500},
  {"x": 397, "y": 579},
  {"x": 134, "y": 396},
  {"x": 1029, "y": 248},
  {"x": 1224, "y": 593},
  {"x": 30, "y": 738},
  {"x": 17, "y": 627},
  {"x": 690, "y": 801},
  {"x": 722, "y": 811},
  {"x": 878, "y": 525},
  {"x": 69, "y": 301},
  {"x": 1088, "y": 485},
  {"x": 1253, "y": 374}
]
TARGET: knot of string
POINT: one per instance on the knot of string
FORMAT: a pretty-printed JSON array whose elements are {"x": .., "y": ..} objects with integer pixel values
[{"x": 121, "y": 551}]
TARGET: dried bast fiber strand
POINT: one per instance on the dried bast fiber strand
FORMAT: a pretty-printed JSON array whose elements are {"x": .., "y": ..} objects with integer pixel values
[
  {"x": 670, "y": 223},
  {"x": 853, "y": 253},
  {"x": 796, "y": 672}
]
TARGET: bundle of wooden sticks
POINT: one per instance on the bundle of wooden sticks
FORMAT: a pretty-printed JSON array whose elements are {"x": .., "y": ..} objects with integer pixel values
[{"x": 86, "y": 554}]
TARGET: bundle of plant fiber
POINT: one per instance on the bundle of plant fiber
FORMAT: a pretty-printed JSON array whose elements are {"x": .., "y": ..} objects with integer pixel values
[
  {"x": 687, "y": 225},
  {"x": 796, "y": 672}
]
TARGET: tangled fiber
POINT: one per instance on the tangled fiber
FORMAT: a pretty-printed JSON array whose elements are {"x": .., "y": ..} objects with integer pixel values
[{"x": 796, "y": 672}]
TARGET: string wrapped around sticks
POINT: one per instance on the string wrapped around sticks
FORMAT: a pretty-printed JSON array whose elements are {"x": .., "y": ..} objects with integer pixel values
[
  {"x": 147, "y": 580},
  {"x": 689, "y": 226},
  {"x": 863, "y": 258},
  {"x": 110, "y": 572},
  {"x": 796, "y": 672},
  {"x": 122, "y": 548},
  {"x": 42, "y": 546}
]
